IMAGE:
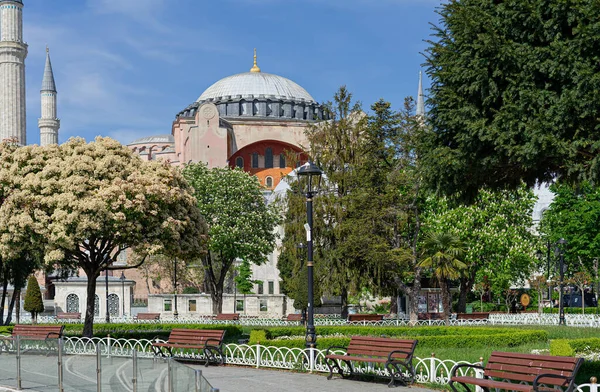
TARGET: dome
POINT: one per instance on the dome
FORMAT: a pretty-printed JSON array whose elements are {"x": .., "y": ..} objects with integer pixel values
[
  {"x": 154, "y": 139},
  {"x": 254, "y": 84}
]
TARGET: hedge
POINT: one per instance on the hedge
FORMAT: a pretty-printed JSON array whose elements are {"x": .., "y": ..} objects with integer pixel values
[
  {"x": 588, "y": 310},
  {"x": 571, "y": 347},
  {"x": 476, "y": 338}
]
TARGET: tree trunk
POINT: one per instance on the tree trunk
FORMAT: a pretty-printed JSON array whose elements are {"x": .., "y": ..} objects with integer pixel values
[
  {"x": 344, "y": 298},
  {"x": 11, "y": 306},
  {"x": 4, "y": 288},
  {"x": 445, "y": 300},
  {"x": 413, "y": 298},
  {"x": 217, "y": 300},
  {"x": 88, "y": 325}
]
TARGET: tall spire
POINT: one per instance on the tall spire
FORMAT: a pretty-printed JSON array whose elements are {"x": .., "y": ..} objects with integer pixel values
[
  {"x": 48, "y": 122},
  {"x": 48, "y": 81},
  {"x": 255, "y": 67},
  {"x": 420, "y": 99}
]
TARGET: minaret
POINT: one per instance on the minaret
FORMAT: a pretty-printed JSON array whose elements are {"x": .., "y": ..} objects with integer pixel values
[
  {"x": 420, "y": 100},
  {"x": 12, "y": 72},
  {"x": 48, "y": 123}
]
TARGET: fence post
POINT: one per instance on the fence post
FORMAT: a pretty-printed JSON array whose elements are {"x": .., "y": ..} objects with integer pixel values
[
  {"x": 257, "y": 354},
  {"x": 312, "y": 358},
  {"x": 18, "y": 340},
  {"x": 593, "y": 384},
  {"x": 60, "y": 363},
  {"x": 98, "y": 368},
  {"x": 198, "y": 383},
  {"x": 479, "y": 374},
  {"x": 170, "y": 374},
  {"x": 432, "y": 368},
  {"x": 135, "y": 363},
  {"x": 108, "y": 345}
]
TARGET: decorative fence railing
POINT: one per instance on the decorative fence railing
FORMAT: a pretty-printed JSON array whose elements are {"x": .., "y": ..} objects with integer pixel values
[
  {"x": 428, "y": 370},
  {"x": 578, "y": 320}
]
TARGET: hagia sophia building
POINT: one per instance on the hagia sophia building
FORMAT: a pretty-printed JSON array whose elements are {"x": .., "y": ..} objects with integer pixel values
[{"x": 252, "y": 120}]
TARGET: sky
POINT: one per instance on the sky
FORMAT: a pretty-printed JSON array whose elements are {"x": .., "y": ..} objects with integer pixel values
[{"x": 125, "y": 68}]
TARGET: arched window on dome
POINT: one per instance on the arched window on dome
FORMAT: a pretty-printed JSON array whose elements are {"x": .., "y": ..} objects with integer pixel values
[
  {"x": 268, "y": 158},
  {"x": 239, "y": 162},
  {"x": 282, "y": 160},
  {"x": 255, "y": 160},
  {"x": 269, "y": 182}
]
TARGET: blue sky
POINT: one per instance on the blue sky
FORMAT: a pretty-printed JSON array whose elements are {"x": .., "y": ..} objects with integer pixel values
[{"x": 124, "y": 68}]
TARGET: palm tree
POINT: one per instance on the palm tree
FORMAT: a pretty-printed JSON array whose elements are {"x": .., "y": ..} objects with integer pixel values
[{"x": 442, "y": 251}]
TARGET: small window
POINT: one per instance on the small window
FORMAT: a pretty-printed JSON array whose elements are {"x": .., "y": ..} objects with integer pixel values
[
  {"x": 167, "y": 305},
  {"x": 239, "y": 162},
  {"x": 269, "y": 182},
  {"x": 263, "y": 305},
  {"x": 255, "y": 160},
  {"x": 260, "y": 288},
  {"x": 282, "y": 161},
  {"x": 268, "y": 158},
  {"x": 192, "y": 305},
  {"x": 271, "y": 287},
  {"x": 239, "y": 305}
]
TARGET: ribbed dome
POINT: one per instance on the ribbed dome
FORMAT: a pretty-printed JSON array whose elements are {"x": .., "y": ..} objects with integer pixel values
[{"x": 254, "y": 84}]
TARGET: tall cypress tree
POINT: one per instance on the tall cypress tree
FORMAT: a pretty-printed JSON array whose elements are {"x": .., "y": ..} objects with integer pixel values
[{"x": 33, "y": 298}]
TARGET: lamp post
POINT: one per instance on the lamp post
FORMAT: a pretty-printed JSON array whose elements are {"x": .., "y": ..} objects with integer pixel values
[
  {"x": 123, "y": 291},
  {"x": 309, "y": 179},
  {"x": 175, "y": 312},
  {"x": 540, "y": 255},
  {"x": 301, "y": 246},
  {"x": 561, "y": 264},
  {"x": 107, "y": 313}
]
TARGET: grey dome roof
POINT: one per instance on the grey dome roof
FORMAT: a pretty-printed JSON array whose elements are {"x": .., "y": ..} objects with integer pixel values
[
  {"x": 154, "y": 139},
  {"x": 254, "y": 84}
]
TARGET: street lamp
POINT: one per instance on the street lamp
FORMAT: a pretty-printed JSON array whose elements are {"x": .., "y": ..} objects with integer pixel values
[
  {"x": 309, "y": 180},
  {"x": 175, "y": 313},
  {"x": 123, "y": 291},
  {"x": 107, "y": 312},
  {"x": 540, "y": 255},
  {"x": 561, "y": 308},
  {"x": 301, "y": 246}
]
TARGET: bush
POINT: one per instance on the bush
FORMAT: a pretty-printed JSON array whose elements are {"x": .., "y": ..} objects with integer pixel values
[
  {"x": 561, "y": 347},
  {"x": 588, "y": 310},
  {"x": 191, "y": 290},
  {"x": 33, "y": 298}
]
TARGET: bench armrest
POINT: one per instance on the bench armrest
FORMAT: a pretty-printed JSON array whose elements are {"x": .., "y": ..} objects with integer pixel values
[
  {"x": 327, "y": 352},
  {"x": 461, "y": 365},
  {"x": 537, "y": 381},
  {"x": 409, "y": 355},
  {"x": 217, "y": 342}
]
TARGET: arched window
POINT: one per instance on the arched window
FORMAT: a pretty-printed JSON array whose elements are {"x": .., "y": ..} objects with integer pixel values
[
  {"x": 269, "y": 182},
  {"x": 282, "y": 160},
  {"x": 239, "y": 162},
  {"x": 72, "y": 303},
  {"x": 96, "y": 305},
  {"x": 113, "y": 304},
  {"x": 268, "y": 157},
  {"x": 254, "y": 159}
]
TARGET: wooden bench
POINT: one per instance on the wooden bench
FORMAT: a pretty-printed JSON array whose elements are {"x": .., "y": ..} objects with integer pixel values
[
  {"x": 473, "y": 316},
  {"x": 540, "y": 372},
  {"x": 146, "y": 316},
  {"x": 364, "y": 317},
  {"x": 209, "y": 341},
  {"x": 228, "y": 316},
  {"x": 395, "y": 354},
  {"x": 294, "y": 317},
  {"x": 68, "y": 316},
  {"x": 47, "y": 333}
]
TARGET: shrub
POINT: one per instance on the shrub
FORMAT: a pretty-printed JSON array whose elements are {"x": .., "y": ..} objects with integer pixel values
[
  {"x": 561, "y": 347},
  {"x": 33, "y": 298},
  {"x": 191, "y": 290}
]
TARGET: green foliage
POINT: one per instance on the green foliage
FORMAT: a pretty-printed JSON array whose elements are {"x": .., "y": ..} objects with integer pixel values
[
  {"x": 244, "y": 284},
  {"x": 240, "y": 224},
  {"x": 569, "y": 310},
  {"x": 191, "y": 290},
  {"x": 33, "y": 297},
  {"x": 257, "y": 336},
  {"x": 515, "y": 94}
]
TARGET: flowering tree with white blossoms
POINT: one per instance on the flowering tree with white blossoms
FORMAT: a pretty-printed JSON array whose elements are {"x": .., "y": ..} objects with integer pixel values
[{"x": 91, "y": 201}]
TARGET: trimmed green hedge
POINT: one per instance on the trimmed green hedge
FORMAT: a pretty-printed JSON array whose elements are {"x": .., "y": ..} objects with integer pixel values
[
  {"x": 588, "y": 310},
  {"x": 571, "y": 347},
  {"x": 430, "y": 337}
]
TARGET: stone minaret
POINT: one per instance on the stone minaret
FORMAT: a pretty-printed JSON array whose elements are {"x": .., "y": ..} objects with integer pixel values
[
  {"x": 48, "y": 123},
  {"x": 420, "y": 100},
  {"x": 12, "y": 71}
]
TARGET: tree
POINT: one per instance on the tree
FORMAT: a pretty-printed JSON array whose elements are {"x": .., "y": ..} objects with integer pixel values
[
  {"x": 443, "y": 251},
  {"x": 515, "y": 94},
  {"x": 90, "y": 201},
  {"x": 540, "y": 284},
  {"x": 240, "y": 223},
  {"x": 495, "y": 231},
  {"x": 243, "y": 280},
  {"x": 573, "y": 215},
  {"x": 581, "y": 279},
  {"x": 33, "y": 298}
]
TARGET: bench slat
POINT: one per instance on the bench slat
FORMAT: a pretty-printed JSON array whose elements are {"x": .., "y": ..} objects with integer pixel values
[{"x": 493, "y": 384}]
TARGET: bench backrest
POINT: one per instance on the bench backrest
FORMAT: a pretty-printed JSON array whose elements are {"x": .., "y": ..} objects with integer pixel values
[
  {"x": 380, "y": 347},
  {"x": 148, "y": 316},
  {"x": 195, "y": 336},
  {"x": 365, "y": 317},
  {"x": 227, "y": 316},
  {"x": 473, "y": 316},
  {"x": 294, "y": 317},
  {"x": 65, "y": 315},
  {"x": 526, "y": 367},
  {"x": 38, "y": 331}
]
